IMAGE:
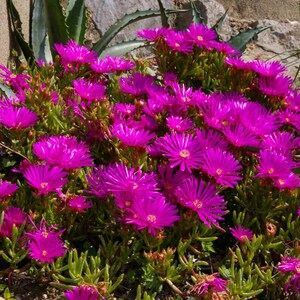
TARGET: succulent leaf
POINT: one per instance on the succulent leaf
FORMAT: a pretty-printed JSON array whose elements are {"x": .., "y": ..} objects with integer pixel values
[{"x": 76, "y": 20}]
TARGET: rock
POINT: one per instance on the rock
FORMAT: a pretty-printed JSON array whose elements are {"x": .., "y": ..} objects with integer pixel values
[{"x": 107, "y": 12}]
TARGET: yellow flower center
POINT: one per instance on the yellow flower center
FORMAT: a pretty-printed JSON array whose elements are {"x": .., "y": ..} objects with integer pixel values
[
  {"x": 177, "y": 45},
  {"x": 199, "y": 38},
  {"x": 151, "y": 218},
  {"x": 219, "y": 171},
  {"x": 184, "y": 153},
  {"x": 44, "y": 253},
  {"x": 271, "y": 171},
  {"x": 197, "y": 203},
  {"x": 44, "y": 185}
]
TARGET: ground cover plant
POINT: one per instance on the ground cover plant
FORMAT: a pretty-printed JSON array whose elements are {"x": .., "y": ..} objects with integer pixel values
[{"x": 166, "y": 178}]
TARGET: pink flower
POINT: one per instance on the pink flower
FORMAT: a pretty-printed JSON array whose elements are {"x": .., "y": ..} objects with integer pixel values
[
  {"x": 12, "y": 216},
  {"x": 152, "y": 34},
  {"x": 275, "y": 86},
  {"x": 222, "y": 166},
  {"x": 200, "y": 35},
  {"x": 202, "y": 198},
  {"x": 7, "y": 188},
  {"x": 136, "y": 85},
  {"x": 79, "y": 203},
  {"x": 291, "y": 264},
  {"x": 17, "y": 117},
  {"x": 239, "y": 233},
  {"x": 179, "y": 124},
  {"x": 181, "y": 150},
  {"x": 131, "y": 136},
  {"x": 45, "y": 179},
  {"x": 62, "y": 151},
  {"x": 208, "y": 282},
  {"x": 267, "y": 68},
  {"x": 153, "y": 214},
  {"x": 178, "y": 41},
  {"x": 44, "y": 243},
  {"x": 90, "y": 91},
  {"x": 112, "y": 64},
  {"x": 82, "y": 293}
]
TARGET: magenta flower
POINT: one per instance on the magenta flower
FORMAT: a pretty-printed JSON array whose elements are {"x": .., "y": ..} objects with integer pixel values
[
  {"x": 74, "y": 53},
  {"x": 291, "y": 264},
  {"x": 239, "y": 136},
  {"x": 267, "y": 68},
  {"x": 273, "y": 165},
  {"x": 211, "y": 139},
  {"x": 90, "y": 91},
  {"x": 136, "y": 85},
  {"x": 112, "y": 64},
  {"x": 170, "y": 180},
  {"x": 258, "y": 119},
  {"x": 287, "y": 181},
  {"x": 181, "y": 150},
  {"x": 210, "y": 282},
  {"x": 224, "y": 48},
  {"x": 46, "y": 249},
  {"x": 237, "y": 63},
  {"x": 178, "y": 41},
  {"x": 7, "y": 188},
  {"x": 131, "y": 136},
  {"x": 275, "y": 86},
  {"x": 200, "y": 35},
  {"x": 120, "y": 180},
  {"x": 179, "y": 124},
  {"x": 12, "y": 216},
  {"x": 153, "y": 214},
  {"x": 222, "y": 166},
  {"x": 280, "y": 142},
  {"x": 239, "y": 233},
  {"x": 79, "y": 203},
  {"x": 152, "y": 34},
  {"x": 82, "y": 293},
  {"x": 64, "y": 152},
  {"x": 45, "y": 178},
  {"x": 96, "y": 183},
  {"x": 17, "y": 117},
  {"x": 202, "y": 198},
  {"x": 44, "y": 243}
]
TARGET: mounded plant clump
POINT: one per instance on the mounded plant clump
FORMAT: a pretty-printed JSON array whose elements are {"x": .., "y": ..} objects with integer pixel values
[{"x": 166, "y": 178}]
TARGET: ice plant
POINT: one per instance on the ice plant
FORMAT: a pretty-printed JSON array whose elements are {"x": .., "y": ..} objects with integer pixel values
[
  {"x": 17, "y": 117},
  {"x": 62, "y": 151},
  {"x": 291, "y": 265},
  {"x": 79, "y": 203},
  {"x": 82, "y": 293},
  {"x": 222, "y": 166},
  {"x": 210, "y": 283},
  {"x": 12, "y": 216},
  {"x": 90, "y": 91},
  {"x": 44, "y": 243},
  {"x": 7, "y": 189},
  {"x": 202, "y": 198},
  {"x": 152, "y": 213},
  {"x": 182, "y": 150},
  {"x": 45, "y": 179},
  {"x": 240, "y": 233}
]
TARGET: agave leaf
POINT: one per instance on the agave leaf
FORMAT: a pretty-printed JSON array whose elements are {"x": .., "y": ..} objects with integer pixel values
[
  {"x": 7, "y": 91},
  {"x": 123, "y": 48},
  {"x": 241, "y": 40},
  {"x": 217, "y": 27},
  {"x": 164, "y": 18},
  {"x": 17, "y": 29},
  {"x": 76, "y": 20},
  {"x": 56, "y": 23},
  {"x": 197, "y": 18},
  {"x": 39, "y": 38},
  {"x": 123, "y": 22}
]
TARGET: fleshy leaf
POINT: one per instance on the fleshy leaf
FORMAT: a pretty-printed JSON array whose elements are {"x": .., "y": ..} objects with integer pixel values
[{"x": 76, "y": 20}]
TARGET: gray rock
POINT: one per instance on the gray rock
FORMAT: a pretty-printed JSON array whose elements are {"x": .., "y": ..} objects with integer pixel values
[{"x": 107, "y": 12}]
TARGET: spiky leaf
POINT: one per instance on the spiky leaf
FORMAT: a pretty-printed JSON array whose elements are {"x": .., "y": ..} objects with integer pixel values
[
  {"x": 39, "y": 38},
  {"x": 17, "y": 29},
  {"x": 164, "y": 18},
  {"x": 125, "y": 21},
  {"x": 217, "y": 27},
  {"x": 241, "y": 40},
  {"x": 123, "y": 48},
  {"x": 56, "y": 23},
  {"x": 76, "y": 20},
  {"x": 197, "y": 18},
  {"x": 7, "y": 91}
]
